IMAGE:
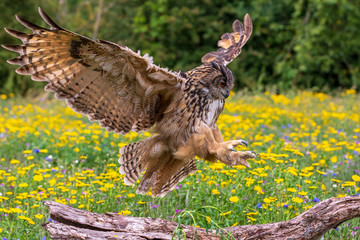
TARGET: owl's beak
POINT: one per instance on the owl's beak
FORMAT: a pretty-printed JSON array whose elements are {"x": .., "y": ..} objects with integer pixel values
[{"x": 226, "y": 94}]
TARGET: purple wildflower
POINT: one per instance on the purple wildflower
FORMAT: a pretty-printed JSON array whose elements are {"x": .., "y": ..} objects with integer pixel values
[{"x": 178, "y": 211}]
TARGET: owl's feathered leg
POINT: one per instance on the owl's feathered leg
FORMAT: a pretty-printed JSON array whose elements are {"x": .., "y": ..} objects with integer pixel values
[
  {"x": 163, "y": 170},
  {"x": 224, "y": 151},
  {"x": 172, "y": 172}
]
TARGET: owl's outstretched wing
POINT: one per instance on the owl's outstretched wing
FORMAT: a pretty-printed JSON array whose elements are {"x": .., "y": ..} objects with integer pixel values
[
  {"x": 107, "y": 82},
  {"x": 231, "y": 43}
]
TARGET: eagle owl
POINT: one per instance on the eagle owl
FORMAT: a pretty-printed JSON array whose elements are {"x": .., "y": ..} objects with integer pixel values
[{"x": 125, "y": 92}]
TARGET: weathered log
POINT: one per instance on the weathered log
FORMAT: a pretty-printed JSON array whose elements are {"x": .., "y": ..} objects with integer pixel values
[{"x": 72, "y": 223}]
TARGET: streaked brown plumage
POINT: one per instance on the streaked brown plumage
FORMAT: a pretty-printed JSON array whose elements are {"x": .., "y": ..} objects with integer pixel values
[{"x": 125, "y": 92}]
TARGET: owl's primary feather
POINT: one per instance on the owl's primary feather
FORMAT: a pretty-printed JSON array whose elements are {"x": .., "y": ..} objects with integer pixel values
[{"x": 125, "y": 92}]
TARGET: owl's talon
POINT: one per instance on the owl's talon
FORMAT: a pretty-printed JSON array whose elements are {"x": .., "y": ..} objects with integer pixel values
[
  {"x": 256, "y": 154},
  {"x": 243, "y": 142},
  {"x": 248, "y": 166}
]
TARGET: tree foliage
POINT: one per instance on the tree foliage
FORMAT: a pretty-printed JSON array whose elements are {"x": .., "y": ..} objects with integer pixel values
[{"x": 295, "y": 43}]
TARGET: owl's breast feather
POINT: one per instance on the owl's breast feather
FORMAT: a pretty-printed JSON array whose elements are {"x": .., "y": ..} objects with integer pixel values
[{"x": 213, "y": 111}]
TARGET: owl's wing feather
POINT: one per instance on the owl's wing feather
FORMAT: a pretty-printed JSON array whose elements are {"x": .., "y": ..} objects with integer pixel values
[
  {"x": 231, "y": 43},
  {"x": 107, "y": 82}
]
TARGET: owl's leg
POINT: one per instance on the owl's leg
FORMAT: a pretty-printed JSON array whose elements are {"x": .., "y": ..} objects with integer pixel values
[
  {"x": 225, "y": 151},
  {"x": 236, "y": 158},
  {"x": 228, "y": 154},
  {"x": 166, "y": 172}
]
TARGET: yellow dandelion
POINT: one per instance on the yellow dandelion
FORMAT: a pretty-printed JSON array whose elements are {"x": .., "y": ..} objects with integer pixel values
[
  {"x": 269, "y": 199},
  {"x": 39, "y": 216},
  {"x": 234, "y": 199},
  {"x": 258, "y": 189},
  {"x": 348, "y": 184},
  {"x": 225, "y": 213},
  {"x": 297, "y": 200},
  {"x": 291, "y": 189},
  {"x": 215, "y": 191},
  {"x": 16, "y": 210},
  {"x": 302, "y": 193},
  {"x": 293, "y": 171},
  {"x": 124, "y": 213},
  {"x": 22, "y": 185},
  {"x": 29, "y": 220},
  {"x": 235, "y": 224},
  {"x": 14, "y": 161},
  {"x": 356, "y": 178},
  {"x": 279, "y": 180},
  {"x": 38, "y": 178}
]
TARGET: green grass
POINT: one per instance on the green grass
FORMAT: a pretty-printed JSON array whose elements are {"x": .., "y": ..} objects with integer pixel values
[{"x": 308, "y": 144}]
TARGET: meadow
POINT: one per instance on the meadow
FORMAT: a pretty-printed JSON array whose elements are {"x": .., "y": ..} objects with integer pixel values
[{"x": 308, "y": 144}]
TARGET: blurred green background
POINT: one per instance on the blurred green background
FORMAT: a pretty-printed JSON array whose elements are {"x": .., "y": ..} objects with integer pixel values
[{"x": 295, "y": 43}]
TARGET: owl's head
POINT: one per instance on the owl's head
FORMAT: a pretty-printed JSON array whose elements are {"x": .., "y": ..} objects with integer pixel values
[{"x": 213, "y": 80}]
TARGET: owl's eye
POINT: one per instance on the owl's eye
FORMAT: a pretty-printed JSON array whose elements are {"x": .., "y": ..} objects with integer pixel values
[{"x": 222, "y": 83}]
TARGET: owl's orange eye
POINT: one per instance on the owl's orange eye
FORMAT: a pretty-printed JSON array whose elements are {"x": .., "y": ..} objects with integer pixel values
[{"x": 222, "y": 84}]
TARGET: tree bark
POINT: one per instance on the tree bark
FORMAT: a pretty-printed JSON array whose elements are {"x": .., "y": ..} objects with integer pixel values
[{"x": 72, "y": 223}]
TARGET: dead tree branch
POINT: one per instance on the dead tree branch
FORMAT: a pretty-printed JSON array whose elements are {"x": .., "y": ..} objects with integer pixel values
[{"x": 72, "y": 223}]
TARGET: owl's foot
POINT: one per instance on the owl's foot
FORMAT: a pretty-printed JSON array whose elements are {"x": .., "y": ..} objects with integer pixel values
[
  {"x": 240, "y": 158},
  {"x": 228, "y": 155},
  {"x": 232, "y": 144}
]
